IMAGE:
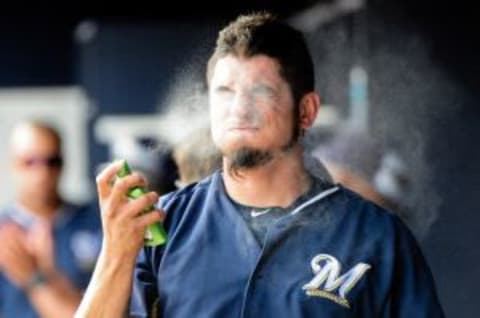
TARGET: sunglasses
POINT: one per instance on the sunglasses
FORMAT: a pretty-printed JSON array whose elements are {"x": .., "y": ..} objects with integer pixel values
[{"x": 51, "y": 162}]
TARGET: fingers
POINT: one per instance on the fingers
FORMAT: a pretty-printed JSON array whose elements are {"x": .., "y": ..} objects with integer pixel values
[
  {"x": 105, "y": 178},
  {"x": 15, "y": 251},
  {"x": 149, "y": 218},
  {"x": 11, "y": 233},
  {"x": 14, "y": 244},
  {"x": 41, "y": 244},
  {"x": 137, "y": 206},
  {"x": 123, "y": 218},
  {"x": 41, "y": 230},
  {"x": 120, "y": 188},
  {"x": 15, "y": 240},
  {"x": 16, "y": 262}
]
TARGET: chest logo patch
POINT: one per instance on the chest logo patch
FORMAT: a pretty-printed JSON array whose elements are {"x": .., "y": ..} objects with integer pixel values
[{"x": 329, "y": 283}]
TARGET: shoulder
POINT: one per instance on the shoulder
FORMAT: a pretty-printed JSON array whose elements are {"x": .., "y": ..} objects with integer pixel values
[
  {"x": 84, "y": 215},
  {"x": 375, "y": 221},
  {"x": 362, "y": 207},
  {"x": 195, "y": 191},
  {"x": 189, "y": 200}
]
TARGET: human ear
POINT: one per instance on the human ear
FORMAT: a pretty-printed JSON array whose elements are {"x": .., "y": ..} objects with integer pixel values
[{"x": 309, "y": 105}]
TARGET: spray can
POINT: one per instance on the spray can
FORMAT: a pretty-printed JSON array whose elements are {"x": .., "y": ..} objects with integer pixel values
[{"x": 155, "y": 234}]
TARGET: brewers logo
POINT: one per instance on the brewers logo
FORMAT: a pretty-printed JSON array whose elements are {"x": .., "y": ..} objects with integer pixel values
[{"x": 328, "y": 284}]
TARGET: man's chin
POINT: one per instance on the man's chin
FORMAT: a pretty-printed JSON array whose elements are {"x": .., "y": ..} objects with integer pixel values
[{"x": 248, "y": 158}]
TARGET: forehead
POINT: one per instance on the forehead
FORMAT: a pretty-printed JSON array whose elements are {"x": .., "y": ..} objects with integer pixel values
[
  {"x": 34, "y": 141},
  {"x": 259, "y": 68}
]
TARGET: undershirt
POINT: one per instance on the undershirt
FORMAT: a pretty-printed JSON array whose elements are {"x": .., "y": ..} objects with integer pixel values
[{"x": 260, "y": 219}]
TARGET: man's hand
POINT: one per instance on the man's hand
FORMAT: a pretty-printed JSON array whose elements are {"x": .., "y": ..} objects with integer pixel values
[
  {"x": 42, "y": 246},
  {"x": 123, "y": 232},
  {"x": 16, "y": 260},
  {"x": 122, "y": 219}
]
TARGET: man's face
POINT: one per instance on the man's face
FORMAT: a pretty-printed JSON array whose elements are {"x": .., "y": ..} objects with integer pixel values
[
  {"x": 36, "y": 163},
  {"x": 251, "y": 105}
]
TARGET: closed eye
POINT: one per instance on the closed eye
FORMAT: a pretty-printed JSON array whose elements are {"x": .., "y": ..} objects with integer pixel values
[
  {"x": 263, "y": 91},
  {"x": 223, "y": 89}
]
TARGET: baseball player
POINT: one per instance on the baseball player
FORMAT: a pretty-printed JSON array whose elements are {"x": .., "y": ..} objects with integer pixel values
[{"x": 262, "y": 237}]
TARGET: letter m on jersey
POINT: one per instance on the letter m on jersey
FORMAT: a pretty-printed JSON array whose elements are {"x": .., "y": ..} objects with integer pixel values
[{"x": 328, "y": 283}]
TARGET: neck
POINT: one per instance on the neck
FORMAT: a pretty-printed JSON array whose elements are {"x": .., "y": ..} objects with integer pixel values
[
  {"x": 278, "y": 183},
  {"x": 42, "y": 208}
]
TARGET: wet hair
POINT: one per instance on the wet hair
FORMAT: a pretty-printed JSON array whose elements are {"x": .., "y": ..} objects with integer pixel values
[{"x": 263, "y": 34}]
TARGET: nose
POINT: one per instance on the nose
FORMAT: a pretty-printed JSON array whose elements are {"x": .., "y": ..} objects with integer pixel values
[
  {"x": 45, "y": 173},
  {"x": 242, "y": 106}
]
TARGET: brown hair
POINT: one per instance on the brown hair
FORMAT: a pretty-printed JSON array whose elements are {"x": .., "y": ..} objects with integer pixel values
[{"x": 262, "y": 33}]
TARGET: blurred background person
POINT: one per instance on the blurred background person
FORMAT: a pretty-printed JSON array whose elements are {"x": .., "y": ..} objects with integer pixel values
[
  {"x": 196, "y": 157},
  {"x": 49, "y": 247},
  {"x": 352, "y": 157},
  {"x": 357, "y": 160}
]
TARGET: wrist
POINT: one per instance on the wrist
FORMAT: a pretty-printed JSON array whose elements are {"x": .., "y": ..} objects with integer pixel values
[
  {"x": 114, "y": 255},
  {"x": 115, "y": 261},
  {"x": 37, "y": 279}
]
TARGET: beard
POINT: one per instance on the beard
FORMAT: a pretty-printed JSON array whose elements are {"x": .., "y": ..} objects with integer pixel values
[
  {"x": 248, "y": 158},
  {"x": 245, "y": 158}
]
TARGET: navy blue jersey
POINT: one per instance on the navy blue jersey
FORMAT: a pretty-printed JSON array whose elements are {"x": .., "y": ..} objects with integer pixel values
[
  {"x": 335, "y": 255},
  {"x": 77, "y": 238}
]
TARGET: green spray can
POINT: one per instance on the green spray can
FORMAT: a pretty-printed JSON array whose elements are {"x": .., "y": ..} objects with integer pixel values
[{"x": 155, "y": 234}]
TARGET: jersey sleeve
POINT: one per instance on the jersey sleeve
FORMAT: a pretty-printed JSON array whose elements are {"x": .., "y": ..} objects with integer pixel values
[{"x": 413, "y": 292}]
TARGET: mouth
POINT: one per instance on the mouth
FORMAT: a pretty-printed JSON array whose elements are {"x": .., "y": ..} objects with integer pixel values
[
  {"x": 241, "y": 125},
  {"x": 243, "y": 128}
]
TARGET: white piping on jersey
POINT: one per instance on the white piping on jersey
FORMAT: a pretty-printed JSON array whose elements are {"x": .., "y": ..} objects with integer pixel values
[{"x": 316, "y": 198}]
